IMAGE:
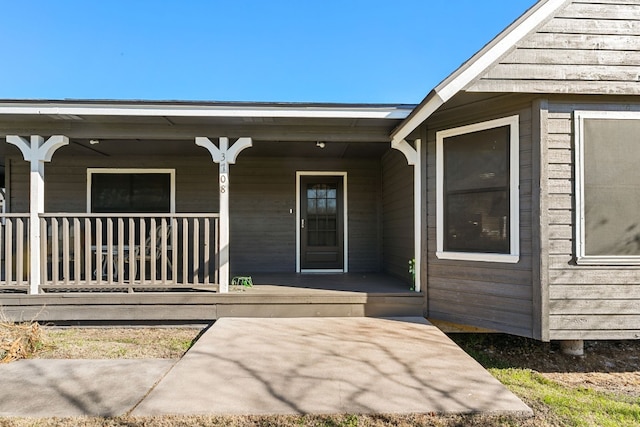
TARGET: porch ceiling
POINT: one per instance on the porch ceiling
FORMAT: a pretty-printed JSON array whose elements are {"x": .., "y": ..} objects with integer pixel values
[{"x": 139, "y": 147}]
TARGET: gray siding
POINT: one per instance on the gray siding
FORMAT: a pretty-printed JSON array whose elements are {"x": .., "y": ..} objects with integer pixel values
[
  {"x": 397, "y": 197},
  {"x": 585, "y": 302},
  {"x": 490, "y": 295},
  {"x": 263, "y": 231},
  {"x": 263, "y": 193},
  {"x": 589, "y": 46}
]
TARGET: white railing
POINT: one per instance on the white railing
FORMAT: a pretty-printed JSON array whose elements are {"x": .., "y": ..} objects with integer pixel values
[
  {"x": 129, "y": 251},
  {"x": 14, "y": 252}
]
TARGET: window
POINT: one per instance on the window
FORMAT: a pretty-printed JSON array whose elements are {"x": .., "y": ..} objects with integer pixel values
[
  {"x": 607, "y": 187},
  {"x": 477, "y": 192},
  {"x": 130, "y": 190}
]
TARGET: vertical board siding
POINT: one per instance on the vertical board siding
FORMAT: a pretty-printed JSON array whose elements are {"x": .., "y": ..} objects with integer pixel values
[
  {"x": 585, "y": 302},
  {"x": 398, "y": 232},
  {"x": 589, "y": 46},
  {"x": 496, "y": 296}
]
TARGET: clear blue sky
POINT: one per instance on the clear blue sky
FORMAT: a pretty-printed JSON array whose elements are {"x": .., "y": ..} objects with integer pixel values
[{"x": 392, "y": 51}]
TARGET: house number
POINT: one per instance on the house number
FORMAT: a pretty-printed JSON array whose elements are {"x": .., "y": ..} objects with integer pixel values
[{"x": 223, "y": 181}]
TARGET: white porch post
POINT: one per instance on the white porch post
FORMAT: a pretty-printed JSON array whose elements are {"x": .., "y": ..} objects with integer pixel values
[
  {"x": 36, "y": 152},
  {"x": 413, "y": 158},
  {"x": 224, "y": 156}
]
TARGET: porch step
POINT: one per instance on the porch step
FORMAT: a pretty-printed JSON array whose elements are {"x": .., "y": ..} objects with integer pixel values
[{"x": 205, "y": 307}]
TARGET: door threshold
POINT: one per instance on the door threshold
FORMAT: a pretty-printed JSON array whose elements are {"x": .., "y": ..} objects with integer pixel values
[{"x": 322, "y": 271}]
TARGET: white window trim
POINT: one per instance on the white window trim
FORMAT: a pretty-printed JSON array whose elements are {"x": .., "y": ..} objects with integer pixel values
[
  {"x": 171, "y": 172},
  {"x": 581, "y": 257},
  {"x": 514, "y": 192},
  {"x": 345, "y": 265}
]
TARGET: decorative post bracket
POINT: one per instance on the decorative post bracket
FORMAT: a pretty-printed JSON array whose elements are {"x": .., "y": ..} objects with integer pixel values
[
  {"x": 224, "y": 156},
  {"x": 37, "y": 151},
  {"x": 413, "y": 158}
]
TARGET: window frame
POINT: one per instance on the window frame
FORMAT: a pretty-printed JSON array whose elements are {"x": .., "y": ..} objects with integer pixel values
[
  {"x": 514, "y": 191},
  {"x": 580, "y": 246},
  {"x": 170, "y": 172}
]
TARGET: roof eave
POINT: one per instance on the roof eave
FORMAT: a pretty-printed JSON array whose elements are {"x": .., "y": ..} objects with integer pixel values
[{"x": 476, "y": 65}]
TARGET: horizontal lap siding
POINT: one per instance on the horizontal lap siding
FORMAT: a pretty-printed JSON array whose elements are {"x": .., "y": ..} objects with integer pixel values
[
  {"x": 66, "y": 181},
  {"x": 490, "y": 295},
  {"x": 397, "y": 207},
  {"x": 263, "y": 206},
  {"x": 588, "y": 302},
  {"x": 588, "y": 47}
]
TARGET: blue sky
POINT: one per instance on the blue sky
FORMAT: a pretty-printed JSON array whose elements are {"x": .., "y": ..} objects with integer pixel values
[{"x": 392, "y": 51}]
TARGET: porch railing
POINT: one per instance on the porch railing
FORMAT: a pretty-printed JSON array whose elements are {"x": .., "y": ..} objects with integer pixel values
[
  {"x": 14, "y": 251},
  {"x": 112, "y": 251}
]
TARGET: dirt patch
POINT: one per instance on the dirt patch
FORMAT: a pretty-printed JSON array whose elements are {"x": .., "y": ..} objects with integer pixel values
[{"x": 608, "y": 366}]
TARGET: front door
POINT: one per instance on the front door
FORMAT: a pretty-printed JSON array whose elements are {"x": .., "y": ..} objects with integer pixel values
[{"x": 321, "y": 222}]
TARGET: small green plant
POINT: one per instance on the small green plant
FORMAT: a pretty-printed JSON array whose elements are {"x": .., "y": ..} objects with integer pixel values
[
  {"x": 412, "y": 271},
  {"x": 245, "y": 281}
]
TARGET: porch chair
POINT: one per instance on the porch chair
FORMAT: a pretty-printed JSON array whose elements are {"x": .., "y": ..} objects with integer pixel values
[{"x": 137, "y": 257}]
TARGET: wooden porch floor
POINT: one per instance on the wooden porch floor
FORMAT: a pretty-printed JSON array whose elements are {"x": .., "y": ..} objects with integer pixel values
[
  {"x": 292, "y": 283},
  {"x": 273, "y": 295}
]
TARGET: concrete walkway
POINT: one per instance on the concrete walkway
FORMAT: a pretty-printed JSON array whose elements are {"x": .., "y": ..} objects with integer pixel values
[{"x": 271, "y": 366}]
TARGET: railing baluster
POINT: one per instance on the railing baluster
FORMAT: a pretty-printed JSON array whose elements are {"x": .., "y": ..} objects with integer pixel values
[
  {"x": 205, "y": 250},
  {"x": 120, "y": 250},
  {"x": 99, "y": 271},
  {"x": 130, "y": 255},
  {"x": 142, "y": 252},
  {"x": 109, "y": 250},
  {"x": 174, "y": 249},
  {"x": 8, "y": 249},
  {"x": 196, "y": 251},
  {"x": 44, "y": 252},
  {"x": 77, "y": 254},
  {"x": 19, "y": 251},
  {"x": 152, "y": 250},
  {"x": 217, "y": 249},
  {"x": 163, "y": 250},
  {"x": 87, "y": 250},
  {"x": 55, "y": 251},
  {"x": 185, "y": 250}
]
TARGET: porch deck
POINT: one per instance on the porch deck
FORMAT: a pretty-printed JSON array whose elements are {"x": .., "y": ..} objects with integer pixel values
[{"x": 273, "y": 295}]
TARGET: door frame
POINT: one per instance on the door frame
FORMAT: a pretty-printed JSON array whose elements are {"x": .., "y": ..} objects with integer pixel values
[{"x": 345, "y": 224}]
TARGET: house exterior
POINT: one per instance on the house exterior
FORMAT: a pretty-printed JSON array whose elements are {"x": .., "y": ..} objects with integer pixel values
[{"x": 513, "y": 184}]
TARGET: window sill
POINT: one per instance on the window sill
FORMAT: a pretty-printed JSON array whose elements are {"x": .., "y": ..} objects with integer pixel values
[
  {"x": 482, "y": 257},
  {"x": 608, "y": 260}
]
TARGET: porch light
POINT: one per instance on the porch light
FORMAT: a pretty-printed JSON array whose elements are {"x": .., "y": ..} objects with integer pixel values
[
  {"x": 94, "y": 141},
  {"x": 320, "y": 144}
]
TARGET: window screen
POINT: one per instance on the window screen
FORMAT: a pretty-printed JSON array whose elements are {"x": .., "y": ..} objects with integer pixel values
[
  {"x": 130, "y": 192},
  {"x": 611, "y": 193},
  {"x": 476, "y": 191}
]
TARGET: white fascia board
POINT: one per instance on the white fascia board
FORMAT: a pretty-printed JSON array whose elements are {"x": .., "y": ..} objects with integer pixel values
[
  {"x": 205, "y": 111},
  {"x": 476, "y": 66}
]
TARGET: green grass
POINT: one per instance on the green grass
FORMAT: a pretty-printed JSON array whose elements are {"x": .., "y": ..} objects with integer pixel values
[{"x": 574, "y": 406}]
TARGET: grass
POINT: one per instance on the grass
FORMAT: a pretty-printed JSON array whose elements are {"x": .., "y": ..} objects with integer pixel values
[{"x": 554, "y": 404}]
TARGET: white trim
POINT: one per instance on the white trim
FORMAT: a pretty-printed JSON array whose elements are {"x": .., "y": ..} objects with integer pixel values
[
  {"x": 171, "y": 172},
  {"x": 345, "y": 222},
  {"x": 207, "y": 111},
  {"x": 321, "y": 271},
  {"x": 478, "y": 64},
  {"x": 581, "y": 257},
  {"x": 514, "y": 191}
]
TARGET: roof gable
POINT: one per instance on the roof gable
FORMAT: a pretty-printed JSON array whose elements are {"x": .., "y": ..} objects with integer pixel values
[{"x": 587, "y": 47}]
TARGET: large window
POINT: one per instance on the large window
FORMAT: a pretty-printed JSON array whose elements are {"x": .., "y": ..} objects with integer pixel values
[
  {"x": 130, "y": 190},
  {"x": 607, "y": 187},
  {"x": 477, "y": 192}
]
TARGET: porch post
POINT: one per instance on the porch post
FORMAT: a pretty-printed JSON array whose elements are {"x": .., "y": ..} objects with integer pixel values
[
  {"x": 413, "y": 158},
  {"x": 224, "y": 156},
  {"x": 36, "y": 152}
]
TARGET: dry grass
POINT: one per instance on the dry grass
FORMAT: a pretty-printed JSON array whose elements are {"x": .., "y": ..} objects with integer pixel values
[{"x": 18, "y": 340}]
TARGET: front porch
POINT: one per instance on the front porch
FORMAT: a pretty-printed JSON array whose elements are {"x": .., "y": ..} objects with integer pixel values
[{"x": 273, "y": 295}]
